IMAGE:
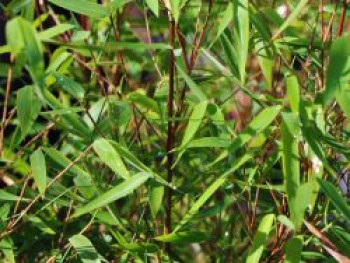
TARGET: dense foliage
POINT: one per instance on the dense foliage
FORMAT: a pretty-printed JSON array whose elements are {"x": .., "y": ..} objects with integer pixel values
[{"x": 175, "y": 131}]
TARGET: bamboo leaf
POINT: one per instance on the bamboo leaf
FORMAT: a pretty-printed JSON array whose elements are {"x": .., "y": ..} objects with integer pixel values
[
  {"x": 195, "y": 89},
  {"x": 243, "y": 29},
  {"x": 184, "y": 237},
  {"x": 337, "y": 200},
  {"x": 117, "y": 192},
  {"x": 38, "y": 164},
  {"x": 156, "y": 194},
  {"x": 24, "y": 108},
  {"x": 293, "y": 93},
  {"x": 296, "y": 12},
  {"x": 260, "y": 239},
  {"x": 82, "y": 7},
  {"x": 257, "y": 125},
  {"x": 85, "y": 249},
  {"x": 154, "y": 6},
  {"x": 290, "y": 158},
  {"x": 210, "y": 191},
  {"x": 55, "y": 31},
  {"x": 293, "y": 249},
  {"x": 110, "y": 157},
  {"x": 194, "y": 122}
]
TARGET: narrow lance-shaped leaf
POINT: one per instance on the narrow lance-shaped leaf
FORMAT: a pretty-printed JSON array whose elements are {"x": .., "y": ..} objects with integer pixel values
[
  {"x": 22, "y": 36},
  {"x": 55, "y": 31},
  {"x": 290, "y": 158},
  {"x": 337, "y": 200},
  {"x": 110, "y": 157},
  {"x": 156, "y": 193},
  {"x": 195, "y": 89},
  {"x": 337, "y": 76},
  {"x": 85, "y": 249},
  {"x": 243, "y": 28},
  {"x": 82, "y": 7},
  {"x": 115, "y": 193},
  {"x": 258, "y": 124},
  {"x": 37, "y": 161},
  {"x": 192, "y": 126},
  {"x": 210, "y": 191},
  {"x": 184, "y": 237},
  {"x": 260, "y": 239},
  {"x": 24, "y": 108},
  {"x": 293, "y": 93},
  {"x": 296, "y": 12},
  {"x": 265, "y": 62},
  {"x": 154, "y": 6},
  {"x": 194, "y": 122},
  {"x": 225, "y": 21}
]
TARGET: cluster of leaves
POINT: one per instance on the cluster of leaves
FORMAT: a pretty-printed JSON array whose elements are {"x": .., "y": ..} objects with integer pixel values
[{"x": 175, "y": 130}]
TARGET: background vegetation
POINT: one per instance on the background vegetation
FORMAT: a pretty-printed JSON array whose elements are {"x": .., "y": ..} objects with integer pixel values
[{"x": 174, "y": 131}]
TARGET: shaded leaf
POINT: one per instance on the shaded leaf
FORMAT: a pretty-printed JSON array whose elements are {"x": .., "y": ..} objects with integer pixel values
[
  {"x": 293, "y": 249},
  {"x": 85, "y": 249},
  {"x": 337, "y": 200}
]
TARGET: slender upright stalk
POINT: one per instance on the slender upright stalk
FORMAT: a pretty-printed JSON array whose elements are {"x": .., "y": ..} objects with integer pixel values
[
  {"x": 342, "y": 19},
  {"x": 4, "y": 113},
  {"x": 171, "y": 131}
]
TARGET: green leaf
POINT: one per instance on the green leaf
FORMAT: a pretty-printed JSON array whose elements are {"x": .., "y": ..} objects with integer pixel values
[
  {"x": 82, "y": 7},
  {"x": 260, "y": 239},
  {"x": 302, "y": 201},
  {"x": 192, "y": 127},
  {"x": 85, "y": 249},
  {"x": 265, "y": 62},
  {"x": 293, "y": 249},
  {"x": 116, "y": 4},
  {"x": 175, "y": 6},
  {"x": 293, "y": 93},
  {"x": 69, "y": 85},
  {"x": 285, "y": 221},
  {"x": 225, "y": 21},
  {"x": 156, "y": 194},
  {"x": 337, "y": 76},
  {"x": 195, "y": 89},
  {"x": 110, "y": 157},
  {"x": 184, "y": 237},
  {"x": 154, "y": 6},
  {"x": 210, "y": 142},
  {"x": 24, "y": 108},
  {"x": 290, "y": 158},
  {"x": 37, "y": 161},
  {"x": 140, "y": 247},
  {"x": 7, "y": 248},
  {"x": 55, "y": 31},
  {"x": 143, "y": 100},
  {"x": 40, "y": 224},
  {"x": 257, "y": 125},
  {"x": 296, "y": 12},
  {"x": 210, "y": 191},
  {"x": 115, "y": 193},
  {"x": 81, "y": 179},
  {"x": 337, "y": 200},
  {"x": 21, "y": 36},
  {"x": 5, "y": 196},
  {"x": 194, "y": 123},
  {"x": 243, "y": 31}
]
